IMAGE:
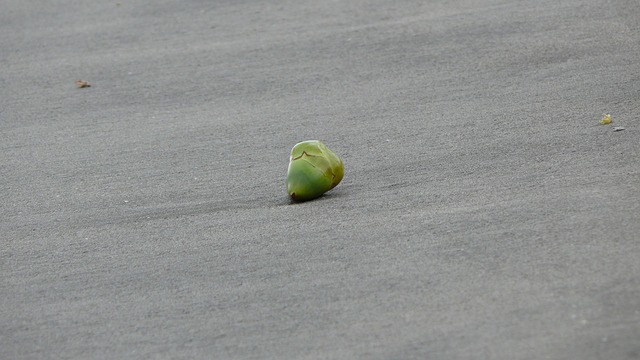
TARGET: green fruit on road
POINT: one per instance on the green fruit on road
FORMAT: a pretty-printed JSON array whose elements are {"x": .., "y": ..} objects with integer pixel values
[{"x": 313, "y": 170}]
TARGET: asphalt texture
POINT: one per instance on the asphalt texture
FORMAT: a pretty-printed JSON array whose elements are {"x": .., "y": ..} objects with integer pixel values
[{"x": 484, "y": 213}]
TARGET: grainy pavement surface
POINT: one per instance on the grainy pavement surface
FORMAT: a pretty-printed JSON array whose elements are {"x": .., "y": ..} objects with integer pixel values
[{"x": 484, "y": 213}]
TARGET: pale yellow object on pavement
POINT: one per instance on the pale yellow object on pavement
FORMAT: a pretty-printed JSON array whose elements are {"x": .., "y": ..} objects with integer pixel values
[{"x": 606, "y": 119}]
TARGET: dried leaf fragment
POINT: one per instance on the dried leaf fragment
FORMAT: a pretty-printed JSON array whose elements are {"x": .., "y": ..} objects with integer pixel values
[
  {"x": 606, "y": 119},
  {"x": 82, "y": 84}
]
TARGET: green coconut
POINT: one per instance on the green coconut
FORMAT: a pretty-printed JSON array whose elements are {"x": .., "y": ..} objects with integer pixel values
[{"x": 313, "y": 170}]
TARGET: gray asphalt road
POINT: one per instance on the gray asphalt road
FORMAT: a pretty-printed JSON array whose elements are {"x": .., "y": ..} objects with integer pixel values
[{"x": 484, "y": 213}]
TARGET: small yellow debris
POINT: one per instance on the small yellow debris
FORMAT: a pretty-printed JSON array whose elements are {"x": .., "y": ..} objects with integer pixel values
[
  {"x": 82, "y": 84},
  {"x": 606, "y": 119}
]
